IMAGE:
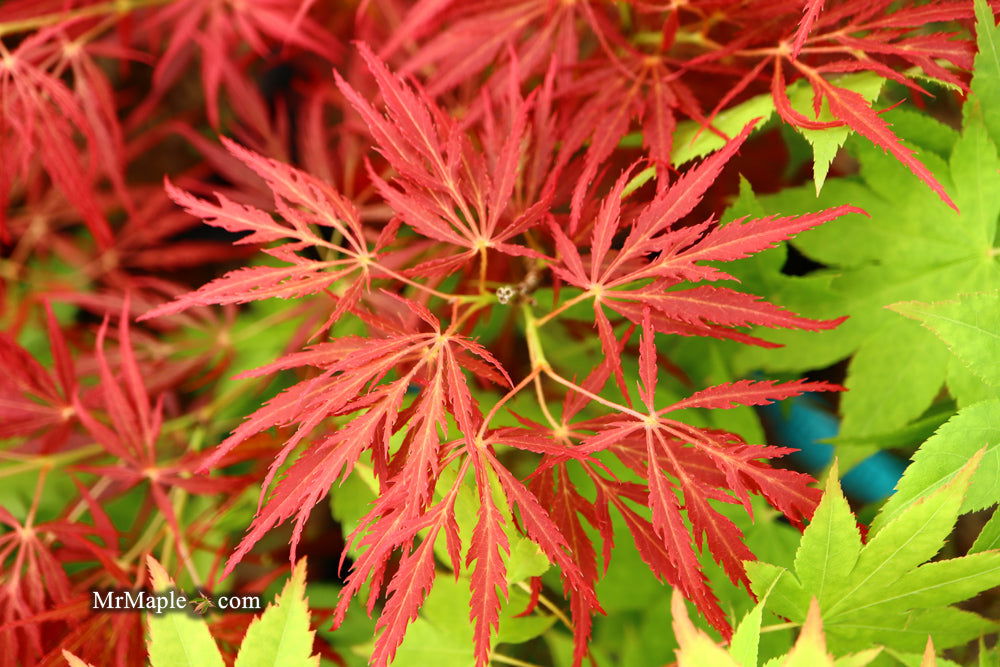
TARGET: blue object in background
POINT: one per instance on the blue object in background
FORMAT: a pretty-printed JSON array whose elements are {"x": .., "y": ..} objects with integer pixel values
[
  {"x": 873, "y": 479},
  {"x": 802, "y": 422}
]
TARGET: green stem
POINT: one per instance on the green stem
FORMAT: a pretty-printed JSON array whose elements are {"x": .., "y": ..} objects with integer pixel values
[
  {"x": 594, "y": 397},
  {"x": 535, "y": 352},
  {"x": 507, "y": 660},
  {"x": 779, "y": 626},
  {"x": 583, "y": 296},
  {"x": 47, "y": 462},
  {"x": 548, "y": 604}
]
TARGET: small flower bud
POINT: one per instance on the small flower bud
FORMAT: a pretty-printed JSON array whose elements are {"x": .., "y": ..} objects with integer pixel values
[{"x": 505, "y": 294}]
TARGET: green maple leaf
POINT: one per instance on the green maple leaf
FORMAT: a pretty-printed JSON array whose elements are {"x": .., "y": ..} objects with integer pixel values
[
  {"x": 175, "y": 638},
  {"x": 941, "y": 458},
  {"x": 884, "y": 592},
  {"x": 827, "y": 142},
  {"x": 281, "y": 636},
  {"x": 912, "y": 247},
  {"x": 986, "y": 84},
  {"x": 970, "y": 327}
]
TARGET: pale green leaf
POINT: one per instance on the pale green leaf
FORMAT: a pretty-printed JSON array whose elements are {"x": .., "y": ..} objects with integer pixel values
[
  {"x": 988, "y": 657},
  {"x": 830, "y": 548},
  {"x": 786, "y": 596},
  {"x": 526, "y": 560},
  {"x": 826, "y": 143},
  {"x": 911, "y": 434},
  {"x": 966, "y": 387},
  {"x": 442, "y": 635},
  {"x": 902, "y": 364},
  {"x": 986, "y": 81},
  {"x": 859, "y": 659},
  {"x": 917, "y": 660},
  {"x": 177, "y": 639},
  {"x": 895, "y": 547},
  {"x": 746, "y": 638},
  {"x": 974, "y": 166},
  {"x": 948, "y": 626},
  {"x": 942, "y": 583},
  {"x": 888, "y": 596},
  {"x": 516, "y": 629},
  {"x": 912, "y": 248},
  {"x": 969, "y": 326},
  {"x": 281, "y": 636},
  {"x": 810, "y": 647},
  {"x": 943, "y": 455},
  {"x": 691, "y": 140},
  {"x": 696, "y": 648}
]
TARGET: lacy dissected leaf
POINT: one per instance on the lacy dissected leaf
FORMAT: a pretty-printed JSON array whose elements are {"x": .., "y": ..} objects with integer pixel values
[
  {"x": 217, "y": 31},
  {"x": 677, "y": 462},
  {"x": 130, "y": 430},
  {"x": 659, "y": 254},
  {"x": 912, "y": 248},
  {"x": 682, "y": 469},
  {"x": 40, "y": 119},
  {"x": 303, "y": 202},
  {"x": 360, "y": 397},
  {"x": 862, "y": 42},
  {"x": 613, "y": 70},
  {"x": 33, "y": 555},
  {"x": 884, "y": 592},
  {"x": 32, "y": 401},
  {"x": 350, "y": 380},
  {"x": 479, "y": 32},
  {"x": 810, "y": 13},
  {"x": 854, "y": 110},
  {"x": 445, "y": 188}
]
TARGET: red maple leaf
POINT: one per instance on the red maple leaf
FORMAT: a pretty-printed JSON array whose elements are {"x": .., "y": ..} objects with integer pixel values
[
  {"x": 658, "y": 255},
  {"x": 447, "y": 190}
]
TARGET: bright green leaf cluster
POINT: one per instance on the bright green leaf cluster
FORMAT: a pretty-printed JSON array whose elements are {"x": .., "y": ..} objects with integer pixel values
[{"x": 884, "y": 592}]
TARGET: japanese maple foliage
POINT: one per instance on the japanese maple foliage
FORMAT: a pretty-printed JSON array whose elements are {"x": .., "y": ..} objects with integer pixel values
[
  {"x": 412, "y": 212},
  {"x": 357, "y": 401}
]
